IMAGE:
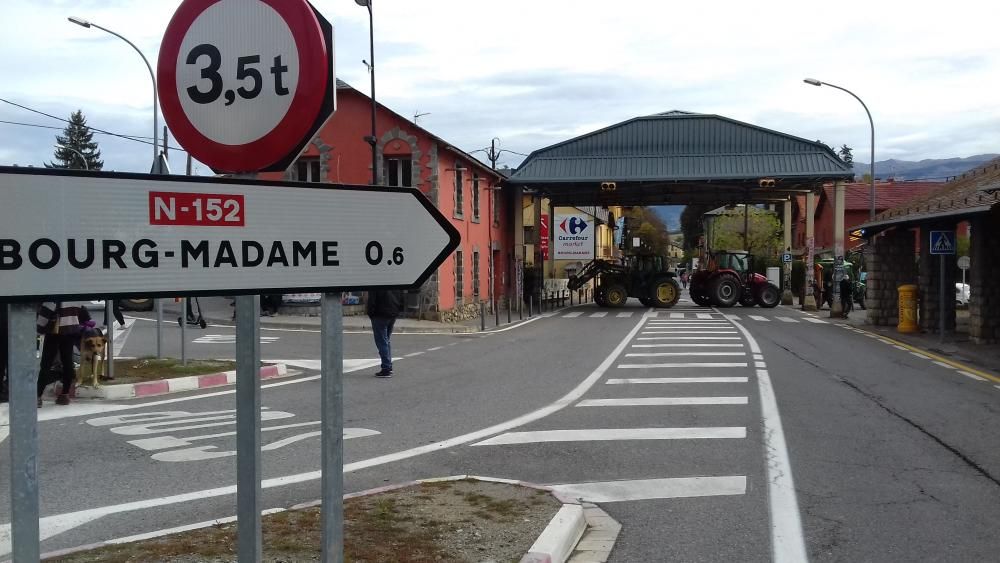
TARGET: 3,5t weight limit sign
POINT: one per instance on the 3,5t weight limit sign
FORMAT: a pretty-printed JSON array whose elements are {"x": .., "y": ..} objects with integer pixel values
[{"x": 245, "y": 84}]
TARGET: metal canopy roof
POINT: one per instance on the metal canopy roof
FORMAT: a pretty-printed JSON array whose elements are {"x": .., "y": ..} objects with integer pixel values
[{"x": 680, "y": 157}]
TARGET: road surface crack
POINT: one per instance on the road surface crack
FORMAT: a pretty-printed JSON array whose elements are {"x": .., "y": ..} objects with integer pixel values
[{"x": 875, "y": 399}]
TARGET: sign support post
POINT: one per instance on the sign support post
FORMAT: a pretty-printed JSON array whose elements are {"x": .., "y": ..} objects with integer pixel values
[
  {"x": 184, "y": 322},
  {"x": 941, "y": 296},
  {"x": 332, "y": 426},
  {"x": 159, "y": 328},
  {"x": 109, "y": 319},
  {"x": 23, "y": 381},
  {"x": 248, "y": 490}
]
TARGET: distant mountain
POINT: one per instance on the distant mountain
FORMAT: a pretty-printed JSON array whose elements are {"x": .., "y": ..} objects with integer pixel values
[
  {"x": 670, "y": 214},
  {"x": 939, "y": 169}
]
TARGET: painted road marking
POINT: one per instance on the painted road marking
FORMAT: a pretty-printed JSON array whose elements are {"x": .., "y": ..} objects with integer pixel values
[
  {"x": 900, "y": 348},
  {"x": 665, "y": 354},
  {"x": 919, "y": 355},
  {"x": 685, "y": 365},
  {"x": 817, "y": 321},
  {"x": 787, "y": 320},
  {"x": 681, "y": 345},
  {"x": 662, "y": 401},
  {"x": 704, "y": 315},
  {"x": 412, "y": 354},
  {"x": 652, "y": 314},
  {"x": 230, "y": 339},
  {"x": 642, "y": 380},
  {"x": 624, "y": 315},
  {"x": 676, "y": 315},
  {"x": 677, "y": 487},
  {"x": 759, "y": 318},
  {"x": 349, "y": 365},
  {"x": 598, "y": 314},
  {"x": 942, "y": 364},
  {"x": 688, "y": 337},
  {"x": 689, "y": 322},
  {"x": 759, "y": 365},
  {"x": 692, "y": 332},
  {"x": 731, "y": 317},
  {"x": 572, "y": 315},
  {"x": 613, "y": 434},
  {"x": 435, "y": 349},
  {"x": 972, "y": 375},
  {"x": 787, "y": 541}
]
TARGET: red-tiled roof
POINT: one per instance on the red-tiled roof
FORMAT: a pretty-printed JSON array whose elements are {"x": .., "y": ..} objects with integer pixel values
[{"x": 857, "y": 195}]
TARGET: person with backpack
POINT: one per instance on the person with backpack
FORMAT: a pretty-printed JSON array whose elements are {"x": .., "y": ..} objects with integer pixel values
[
  {"x": 383, "y": 308},
  {"x": 60, "y": 323}
]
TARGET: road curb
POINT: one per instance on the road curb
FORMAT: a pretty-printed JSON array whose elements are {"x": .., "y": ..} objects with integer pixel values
[
  {"x": 164, "y": 386},
  {"x": 597, "y": 536}
]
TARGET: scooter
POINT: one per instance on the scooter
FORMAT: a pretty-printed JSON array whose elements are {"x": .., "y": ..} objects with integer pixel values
[{"x": 192, "y": 319}]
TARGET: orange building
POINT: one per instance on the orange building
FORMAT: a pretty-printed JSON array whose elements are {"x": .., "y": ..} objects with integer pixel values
[{"x": 464, "y": 189}]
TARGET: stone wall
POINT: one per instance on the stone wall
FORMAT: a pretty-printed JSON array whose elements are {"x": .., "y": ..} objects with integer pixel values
[
  {"x": 892, "y": 264},
  {"x": 929, "y": 293},
  {"x": 984, "y": 302},
  {"x": 460, "y": 313}
]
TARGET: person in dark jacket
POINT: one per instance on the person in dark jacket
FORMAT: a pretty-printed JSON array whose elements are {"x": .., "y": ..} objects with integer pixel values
[
  {"x": 60, "y": 323},
  {"x": 383, "y": 308}
]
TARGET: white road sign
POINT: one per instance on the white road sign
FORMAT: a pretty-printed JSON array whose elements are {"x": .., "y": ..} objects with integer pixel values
[
  {"x": 574, "y": 236},
  {"x": 74, "y": 235}
]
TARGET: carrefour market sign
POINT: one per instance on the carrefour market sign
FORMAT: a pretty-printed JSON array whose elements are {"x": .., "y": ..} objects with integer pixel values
[
  {"x": 78, "y": 235},
  {"x": 574, "y": 236}
]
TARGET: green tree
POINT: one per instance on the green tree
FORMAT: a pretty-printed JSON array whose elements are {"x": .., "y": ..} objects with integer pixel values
[
  {"x": 651, "y": 230},
  {"x": 691, "y": 224},
  {"x": 847, "y": 155},
  {"x": 765, "y": 237},
  {"x": 77, "y": 139}
]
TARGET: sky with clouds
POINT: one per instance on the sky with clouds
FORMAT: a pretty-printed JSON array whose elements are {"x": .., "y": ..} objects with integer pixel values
[{"x": 532, "y": 73}]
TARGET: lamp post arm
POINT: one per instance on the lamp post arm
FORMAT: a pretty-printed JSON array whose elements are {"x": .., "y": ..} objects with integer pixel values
[
  {"x": 156, "y": 120},
  {"x": 871, "y": 166}
]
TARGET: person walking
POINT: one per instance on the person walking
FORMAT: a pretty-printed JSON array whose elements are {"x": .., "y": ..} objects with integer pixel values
[
  {"x": 60, "y": 323},
  {"x": 383, "y": 307},
  {"x": 846, "y": 295}
]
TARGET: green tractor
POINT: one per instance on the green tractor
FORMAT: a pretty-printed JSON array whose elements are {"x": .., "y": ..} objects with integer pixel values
[{"x": 644, "y": 277}]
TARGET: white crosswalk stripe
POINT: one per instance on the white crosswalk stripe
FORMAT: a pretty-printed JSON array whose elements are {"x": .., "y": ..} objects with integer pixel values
[
  {"x": 787, "y": 320},
  {"x": 760, "y": 318},
  {"x": 572, "y": 315},
  {"x": 624, "y": 315},
  {"x": 599, "y": 315},
  {"x": 817, "y": 321}
]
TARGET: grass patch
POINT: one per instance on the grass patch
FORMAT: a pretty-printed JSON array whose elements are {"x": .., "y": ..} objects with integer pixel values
[
  {"x": 421, "y": 524},
  {"x": 152, "y": 369}
]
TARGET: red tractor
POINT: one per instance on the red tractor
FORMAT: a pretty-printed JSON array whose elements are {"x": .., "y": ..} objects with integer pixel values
[{"x": 729, "y": 279}]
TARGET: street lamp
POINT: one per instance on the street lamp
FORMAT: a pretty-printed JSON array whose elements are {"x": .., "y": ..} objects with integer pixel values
[
  {"x": 871, "y": 172},
  {"x": 80, "y": 154},
  {"x": 372, "y": 139},
  {"x": 84, "y": 23}
]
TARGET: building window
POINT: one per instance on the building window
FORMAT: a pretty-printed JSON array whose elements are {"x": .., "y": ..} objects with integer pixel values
[
  {"x": 475, "y": 274},
  {"x": 459, "y": 196},
  {"x": 459, "y": 277},
  {"x": 308, "y": 170},
  {"x": 495, "y": 196},
  {"x": 398, "y": 172},
  {"x": 475, "y": 197}
]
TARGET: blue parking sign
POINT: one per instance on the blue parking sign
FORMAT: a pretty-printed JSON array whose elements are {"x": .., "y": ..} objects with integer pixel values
[{"x": 942, "y": 242}]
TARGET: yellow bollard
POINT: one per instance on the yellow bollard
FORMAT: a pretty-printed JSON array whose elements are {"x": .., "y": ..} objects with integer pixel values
[{"x": 907, "y": 309}]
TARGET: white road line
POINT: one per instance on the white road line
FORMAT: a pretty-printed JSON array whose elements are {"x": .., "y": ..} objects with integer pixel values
[
  {"x": 921, "y": 356},
  {"x": 677, "y": 487},
  {"x": 55, "y": 524},
  {"x": 759, "y": 318},
  {"x": 624, "y": 315},
  {"x": 817, "y": 321},
  {"x": 759, "y": 365},
  {"x": 787, "y": 543},
  {"x": 412, "y": 354},
  {"x": 997, "y": 386},
  {"x": 676, "y": 315},
  {"x": 435, "y": 349},
  {"x": 689, "y": 337},
  {"x": 665, "y": 354},
  {"x": 972, "y": 375},
  {"x": 944, "y": 365},
  {"x": 898, "y": 347},
  {"x": 662, "y": 401},
  {"x": 692, "y": 332},
  {"x": 599, "y": 314},
  {"x": 572, "y": 315},
  {"x": 689, "y": 322},
  {"x": 788, "y": 320},
  {"x": 614, "y": 434},
  {"x": 685, "y": 365},
  {"x": 680, "y": 345},
  {"x": 704, "y": 315},
  {"x": 652, "y": 314},
  {"x": 731, "y": 317},
  {"x": 643, "y": 380}
]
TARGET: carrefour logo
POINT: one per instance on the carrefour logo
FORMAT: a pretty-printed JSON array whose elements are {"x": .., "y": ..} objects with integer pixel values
[{"x": 573, "y": 225}]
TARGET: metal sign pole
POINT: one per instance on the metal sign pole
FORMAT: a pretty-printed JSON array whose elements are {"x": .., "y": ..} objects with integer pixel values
[
  {"x": 248, "y": 491},
  {"x": 109, "y": 350},
  {"x": 332, "y": 429},
  {"x": 159, "y": 328},
  {"x": 942, "y": 296},
  {"x": 23, "y": 380},
  {"x": 184, "y": 322}
]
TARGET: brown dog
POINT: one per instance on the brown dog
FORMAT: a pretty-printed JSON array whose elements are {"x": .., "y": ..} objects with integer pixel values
[{"x": 93, "y": 353}]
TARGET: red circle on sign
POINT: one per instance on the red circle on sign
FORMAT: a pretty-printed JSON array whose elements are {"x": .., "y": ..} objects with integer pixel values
[{"x": 314, "y": 69}]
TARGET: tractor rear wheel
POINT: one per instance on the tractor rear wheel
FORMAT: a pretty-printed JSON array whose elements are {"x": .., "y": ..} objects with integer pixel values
[
  {"x": 665, "y": 292},
  {"x": 768, "y": 296},
  {"x": 615, "y": 295},
  {"x": 724, "y": 291}
]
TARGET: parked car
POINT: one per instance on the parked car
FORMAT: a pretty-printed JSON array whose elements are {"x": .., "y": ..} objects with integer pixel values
[{"x": 962, "y": 294}]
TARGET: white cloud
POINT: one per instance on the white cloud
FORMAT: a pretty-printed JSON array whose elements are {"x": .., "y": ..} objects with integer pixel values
[{"x": 537, "y": 72}]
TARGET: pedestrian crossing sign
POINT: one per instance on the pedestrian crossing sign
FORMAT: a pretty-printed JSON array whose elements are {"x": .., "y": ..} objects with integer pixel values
[{"x": 942, "y": 242}]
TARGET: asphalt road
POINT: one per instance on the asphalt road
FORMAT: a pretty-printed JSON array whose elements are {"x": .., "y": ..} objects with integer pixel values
[{"x": 862, "y": 452}]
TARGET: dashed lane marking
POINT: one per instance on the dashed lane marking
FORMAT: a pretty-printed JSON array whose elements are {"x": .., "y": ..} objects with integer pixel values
[{"x": 614, "y": 434}]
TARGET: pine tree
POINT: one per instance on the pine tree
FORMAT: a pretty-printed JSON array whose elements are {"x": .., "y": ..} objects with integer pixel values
[
  {"x": 847, "y": 155},
  {"x": 76, "y": 138}
]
